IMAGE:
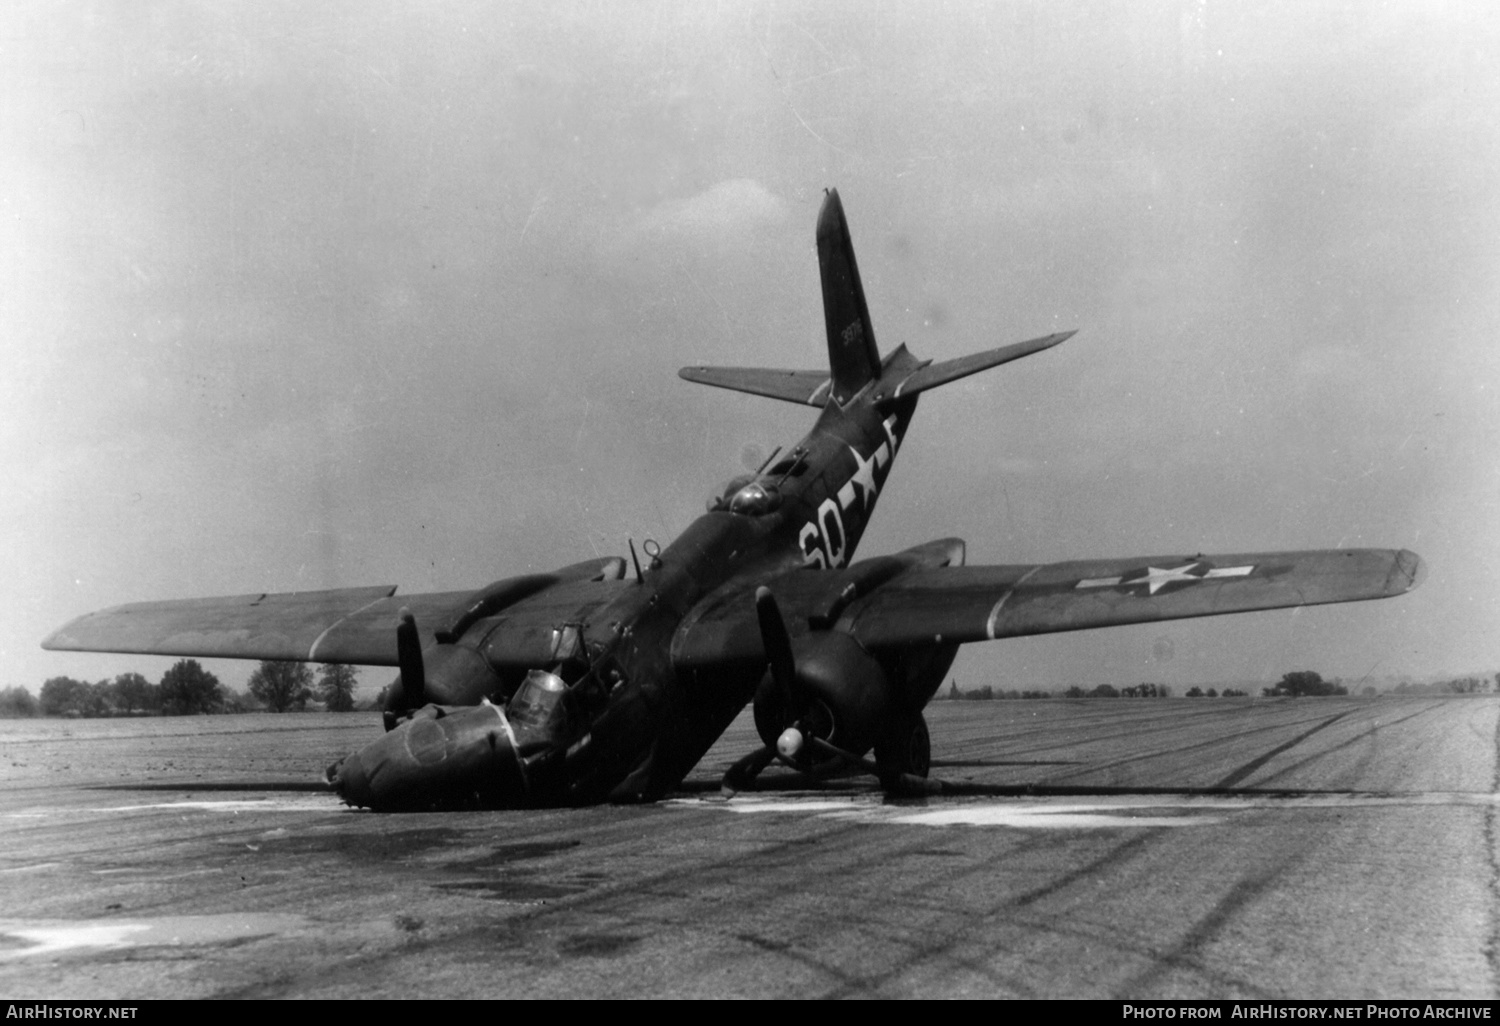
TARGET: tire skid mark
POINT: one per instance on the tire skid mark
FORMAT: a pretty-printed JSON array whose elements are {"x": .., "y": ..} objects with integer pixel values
[
  {"x": 940, "y": 941},
  {"x": 1118, "y": 719},
  {"x": 1015, "y": 742},
  {"x": 1260, "y": 760},
  {"x": 1175, "y": 749},
  {"x": 925, "y": 942},
  {"x": 628, "y": 899},
  {"x": 1362, "y": 735},
  {"x": 1182, "y": 955},
  {"x": 1008, "y": 907},
  {"x": 1088, "y": 870}
]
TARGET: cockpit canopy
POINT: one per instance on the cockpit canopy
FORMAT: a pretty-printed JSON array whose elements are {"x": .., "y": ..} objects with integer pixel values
[
  {"x": 755, "y": 499},
  {"x": 540, "y": 702},
  {"x": 748, "y": 496}
]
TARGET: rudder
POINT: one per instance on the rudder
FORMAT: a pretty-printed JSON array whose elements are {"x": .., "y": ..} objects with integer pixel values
[{"x": 853, "y": 359}]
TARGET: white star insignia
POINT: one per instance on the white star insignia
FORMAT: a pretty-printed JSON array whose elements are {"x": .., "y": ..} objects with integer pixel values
[
  {"x": 864, "y": 476},
  {"x": 1155, "y": 577}
]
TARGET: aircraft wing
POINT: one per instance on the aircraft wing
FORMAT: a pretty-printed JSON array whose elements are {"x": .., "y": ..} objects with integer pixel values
[
  {"x": 922, "y": 604},
  {"x": 345, "y": 625}
]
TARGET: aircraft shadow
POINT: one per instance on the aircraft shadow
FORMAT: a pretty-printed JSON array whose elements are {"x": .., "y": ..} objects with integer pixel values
[
  {"x": 964, "y": 789},
  {"x": 853, "y": 784},
  {"x": 856, "y": 784},
  {"x": 303, "y": 786},
  {"x": 950, "y": 763}
]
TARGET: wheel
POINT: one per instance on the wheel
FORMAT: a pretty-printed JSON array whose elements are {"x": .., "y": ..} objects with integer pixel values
[{"x": 905, "y": 749}]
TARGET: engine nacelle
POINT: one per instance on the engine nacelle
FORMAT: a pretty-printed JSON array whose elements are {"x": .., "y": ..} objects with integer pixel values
[
  {"x": 845, "y": 694},
  {"x": 455, "y": 675}
]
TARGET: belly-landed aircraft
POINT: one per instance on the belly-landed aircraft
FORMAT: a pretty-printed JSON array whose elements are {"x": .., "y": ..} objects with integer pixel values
[{"x": 587, "y": 685}]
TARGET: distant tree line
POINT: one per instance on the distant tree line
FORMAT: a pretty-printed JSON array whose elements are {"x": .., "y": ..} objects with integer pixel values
[
  {"x": 1304, "y": 683},
  {"x": 1108, "y": 691},
  {"x": 988, "y": 693},
  {"x": 1297, "y": 684},
  {"x": 187, "y": 689},
  {"x": 1455, "y": 686}
]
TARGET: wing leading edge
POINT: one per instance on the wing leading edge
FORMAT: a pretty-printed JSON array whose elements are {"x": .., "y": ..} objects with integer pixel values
[
  {"x": 960, "y": 604},
  {"x": 345, "y": 625},
  {"x": 291, "y": 625}
]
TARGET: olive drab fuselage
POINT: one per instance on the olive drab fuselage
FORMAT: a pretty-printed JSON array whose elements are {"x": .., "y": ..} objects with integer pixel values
[{"x": 822, "y": 494}]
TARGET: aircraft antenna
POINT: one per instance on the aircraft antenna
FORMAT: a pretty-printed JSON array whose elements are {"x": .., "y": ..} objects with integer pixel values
[
  {"x": 634, "y": 559},
  {"x": 799, "y": 456}
]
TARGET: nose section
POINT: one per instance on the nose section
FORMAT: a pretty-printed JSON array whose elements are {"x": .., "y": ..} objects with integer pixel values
[
  {"x": 348, "y": 777},
  {"x": 440, "y": 759}
]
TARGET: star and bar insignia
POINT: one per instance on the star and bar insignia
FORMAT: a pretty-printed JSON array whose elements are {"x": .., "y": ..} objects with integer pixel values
[{"x": 1155, "y": 578}]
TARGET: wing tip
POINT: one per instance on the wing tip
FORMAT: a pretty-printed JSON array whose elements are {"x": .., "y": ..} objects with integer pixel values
[
  {"x": 1409, "y": 573},
  {"x": 61, "y": 640}
]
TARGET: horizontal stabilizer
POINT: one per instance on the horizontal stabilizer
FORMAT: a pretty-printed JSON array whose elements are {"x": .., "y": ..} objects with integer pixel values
[
  {"x": 935, "y": 374},
  {"x": 809, "y": 388}
]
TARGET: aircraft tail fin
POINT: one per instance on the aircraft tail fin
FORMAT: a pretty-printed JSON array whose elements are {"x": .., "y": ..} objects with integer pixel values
[{"x": 853, "y": 359}]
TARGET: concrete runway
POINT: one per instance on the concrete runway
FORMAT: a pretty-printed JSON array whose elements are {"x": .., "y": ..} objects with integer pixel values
[{"x": 1100, "y": 848}]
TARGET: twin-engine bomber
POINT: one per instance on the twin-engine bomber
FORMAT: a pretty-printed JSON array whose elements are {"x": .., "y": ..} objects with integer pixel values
[{"x": 583, "y": 685}]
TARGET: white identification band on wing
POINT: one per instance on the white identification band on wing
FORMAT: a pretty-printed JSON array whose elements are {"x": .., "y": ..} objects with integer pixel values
[{"x": 989, "y": 624}]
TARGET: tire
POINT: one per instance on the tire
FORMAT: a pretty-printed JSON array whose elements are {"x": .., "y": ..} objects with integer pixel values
[{"x": 906, "y": 749}]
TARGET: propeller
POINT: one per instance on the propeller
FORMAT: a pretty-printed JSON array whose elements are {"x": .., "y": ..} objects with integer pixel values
[
  {"x": 409, "y": 658},
  {"x": 778, "y": 645},
  {"x": 739, "y": 776}
]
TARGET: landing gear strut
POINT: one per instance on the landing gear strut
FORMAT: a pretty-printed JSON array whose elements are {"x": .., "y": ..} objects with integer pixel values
[{"x": 904, "y": 751}]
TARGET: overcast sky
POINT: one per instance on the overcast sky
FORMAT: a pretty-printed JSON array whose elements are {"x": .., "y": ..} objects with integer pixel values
[{"x": 304, "y": 296}]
